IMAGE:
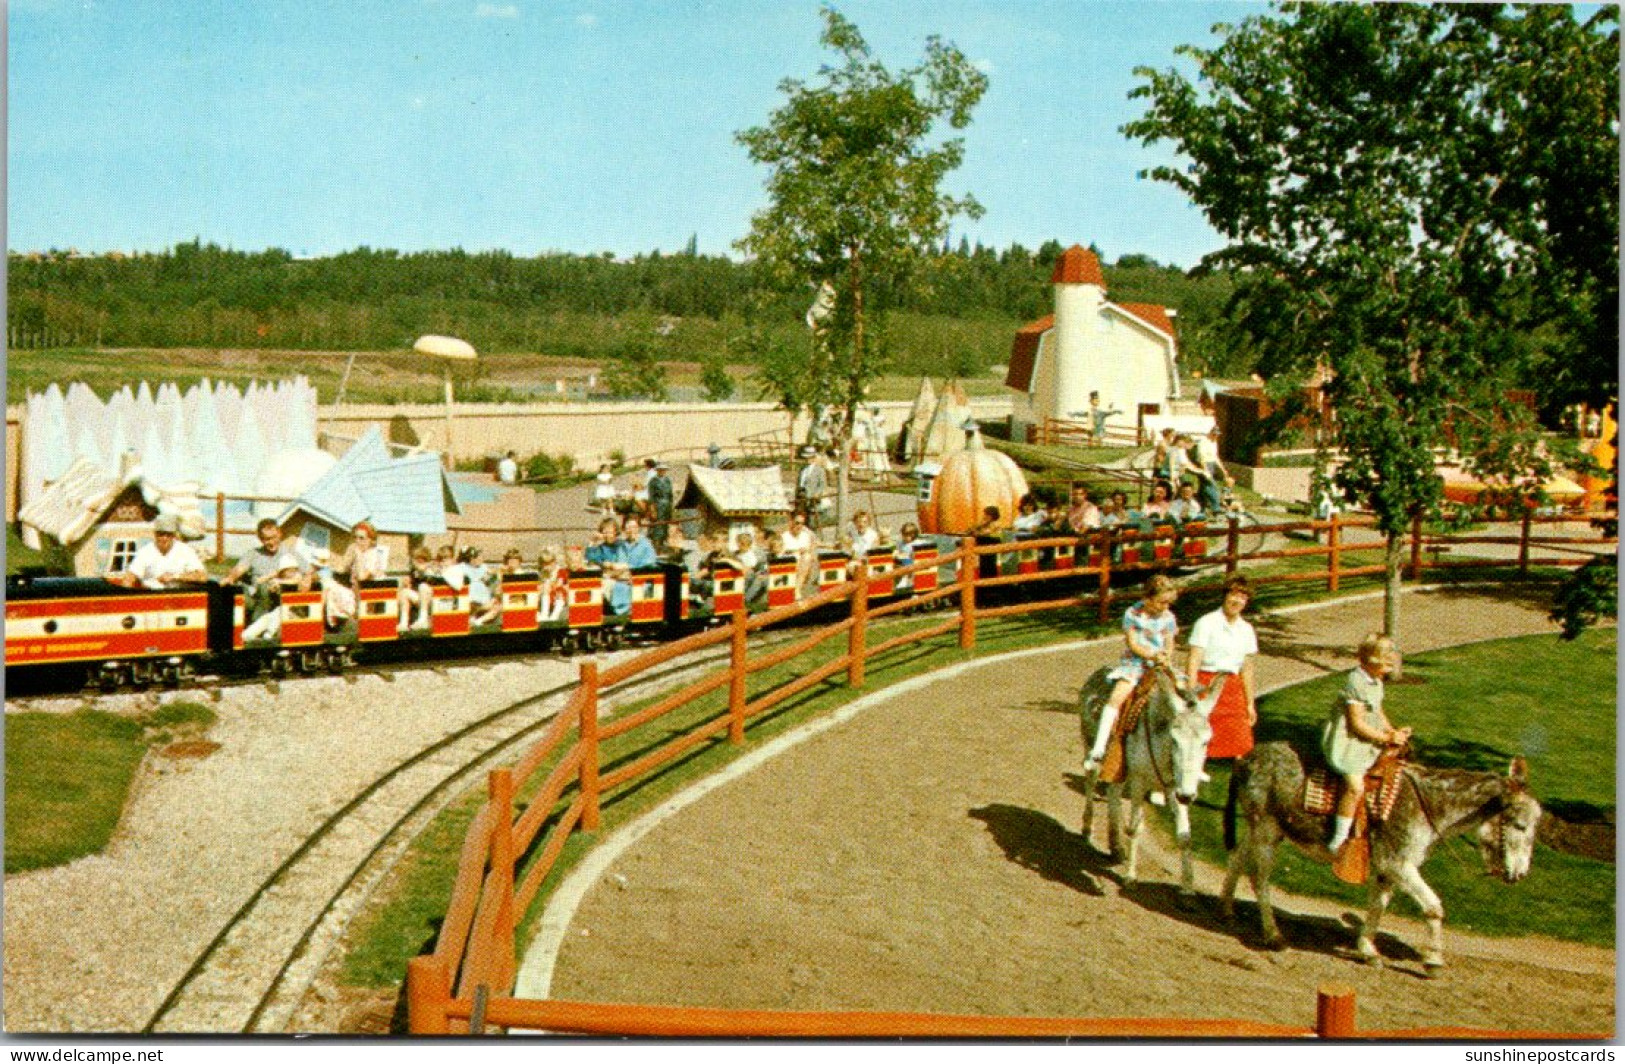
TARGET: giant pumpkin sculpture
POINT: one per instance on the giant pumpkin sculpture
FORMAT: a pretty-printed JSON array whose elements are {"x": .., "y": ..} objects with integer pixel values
[{"x": 972, "y": 480}]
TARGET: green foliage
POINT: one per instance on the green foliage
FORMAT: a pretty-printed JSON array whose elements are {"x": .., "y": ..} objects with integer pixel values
[
  {"x": 66, "y": 779},
  {"x": 1587, "y": 595},
  {"x": 855, "y": 195},
  {"x": 550, "y": 467},
  {"x": 638, "y": 375},
  {"x": 716, "y": 383}
]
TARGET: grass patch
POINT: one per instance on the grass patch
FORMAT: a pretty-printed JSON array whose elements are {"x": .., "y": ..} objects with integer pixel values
[
  {"x": 66, "y": 779},
  {"x": 18, "y": 556},
  {"x": 68, "y": 775},
  {"x": 1552, "y": 702}
]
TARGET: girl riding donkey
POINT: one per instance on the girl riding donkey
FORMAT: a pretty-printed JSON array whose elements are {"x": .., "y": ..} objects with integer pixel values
[
  {"x": 1356, "y": 733},
  {"x": 1149, "y": 628}
]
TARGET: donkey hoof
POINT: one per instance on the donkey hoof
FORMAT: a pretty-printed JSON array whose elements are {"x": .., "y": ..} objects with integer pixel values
[
  {"x": 1275, "y": 943},
  {"x": 1371, "y": 960},
  {"x": 1432, "y": 967}
]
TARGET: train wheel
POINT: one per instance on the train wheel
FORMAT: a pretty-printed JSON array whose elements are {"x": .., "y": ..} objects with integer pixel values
[
  {"x": 109, "y": 679},
  {"x": 281, "y": 665},
  {"x": 337, "y": 659},
  {"x": 570, "y": 645}
]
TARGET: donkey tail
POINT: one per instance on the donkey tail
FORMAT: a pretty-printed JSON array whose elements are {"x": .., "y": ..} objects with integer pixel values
[{"x": 1238, "y": 779}]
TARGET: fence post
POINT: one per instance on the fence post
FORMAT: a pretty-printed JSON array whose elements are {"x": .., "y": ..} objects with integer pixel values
[
  {"x": 1105, "y": 595},
  {"x": 500, "y": 790},
  {"x": 1232, "y": 547},
  {"x": 220, "y": 526},
  {"x": 968, "y": 568},
  {"x": 856, "y": 641},
  {"x": 1334, "y": 543},
  {"x": 736, "y": 680},
  {"x": 428, "y": 993},
  {"x": 1416, "y": 547},
  {"x": 1334, "y": 1010},
  {"x": 589, "y": 746},
  {"x": 1523, "y": 542}
]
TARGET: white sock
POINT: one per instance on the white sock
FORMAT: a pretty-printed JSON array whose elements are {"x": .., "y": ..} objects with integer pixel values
[
  {"x": 1341, "y": 825},
  {"x": 1103, "y": 733}
]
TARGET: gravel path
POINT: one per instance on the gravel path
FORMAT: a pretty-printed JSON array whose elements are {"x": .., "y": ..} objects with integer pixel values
[
  {"x": 97, "y": 945},
  {"x": 923, "y": 856}
]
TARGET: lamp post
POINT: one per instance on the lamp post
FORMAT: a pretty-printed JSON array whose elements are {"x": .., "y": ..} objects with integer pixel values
[{"x": 448, "y": 349}]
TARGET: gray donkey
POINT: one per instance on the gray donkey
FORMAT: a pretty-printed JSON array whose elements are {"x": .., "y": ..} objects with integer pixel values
[
  {"x": 1433, "y": 804},
  {"x": 1163, "y": 754}
]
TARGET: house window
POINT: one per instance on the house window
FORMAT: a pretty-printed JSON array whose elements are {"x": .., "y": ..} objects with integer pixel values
[{"x": 123, "y": 553}]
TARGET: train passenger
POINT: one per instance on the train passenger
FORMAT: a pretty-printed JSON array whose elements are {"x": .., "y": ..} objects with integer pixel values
[
  {"x": 414, "y": 599},
  {"x": 607, "y": 550},
  {"x": 267, "y": 567},
  {"x": 861, "y": 535},
  {"x": 1029, "y": 515},
  {"x": 554, "y": 602},
  {"x": 470, "y": 571},
  {"x": 989, "y": 525},
  {"x": 1157, "y": 508},
  {"x": 1083, "y": 515},
  {"x": 1187, "y": 507},
  {"x": 1116, "y": 512},
  {"x": 799, "y": 540},
  {"x": 640, "y": 551},
  {"x": 753, "y": 563},
  {"x": 341, "y": 584},
  {"x": 165, "y": 562},
  {"x": 512, "y": 562},
  {"x": 903, "y": 554}
]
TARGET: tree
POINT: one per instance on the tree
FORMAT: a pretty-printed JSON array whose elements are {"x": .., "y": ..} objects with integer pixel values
[
  {"x": 637, "y": 374},
  {"x": 855, "y": 188},
  {"x": 1377, "y": 171},
  {"x": 716, "y": 383}
]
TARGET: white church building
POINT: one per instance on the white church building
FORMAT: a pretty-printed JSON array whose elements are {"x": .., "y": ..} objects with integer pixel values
[{"x": 1125, "y": 351}]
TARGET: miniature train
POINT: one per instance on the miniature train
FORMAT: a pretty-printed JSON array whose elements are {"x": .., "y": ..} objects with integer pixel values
[{"x": 64, "y": 632}]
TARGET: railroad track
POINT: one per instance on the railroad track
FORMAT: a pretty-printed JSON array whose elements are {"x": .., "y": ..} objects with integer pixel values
[{"x": 252, "y": 975}]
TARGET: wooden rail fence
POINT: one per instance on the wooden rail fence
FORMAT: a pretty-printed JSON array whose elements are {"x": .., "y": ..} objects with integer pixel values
[{"x": 464, "y": 985}]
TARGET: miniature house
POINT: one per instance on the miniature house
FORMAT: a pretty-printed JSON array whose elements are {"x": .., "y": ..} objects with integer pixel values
[
  {"x": 731, "y": 501},
  {"x": 404, "y": 497},
  {"x": 1125, "y": 351},
  {"x": 90, "y": 522}
]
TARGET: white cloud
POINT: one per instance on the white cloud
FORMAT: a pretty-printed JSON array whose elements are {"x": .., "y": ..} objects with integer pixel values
[
  {"x": 497, "y": 11},
  {"x": 984, "y": 65},
  {"x": 587, "y": 20}
]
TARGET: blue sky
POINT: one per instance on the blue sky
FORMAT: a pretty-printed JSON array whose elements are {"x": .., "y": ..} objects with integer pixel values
[{"x": 544, "y": 125}]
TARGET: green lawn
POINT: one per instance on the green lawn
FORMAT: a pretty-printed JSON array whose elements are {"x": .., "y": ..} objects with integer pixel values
[
  {"x": 67, "y": 776},
  {"x": 1550, "y": 701}
]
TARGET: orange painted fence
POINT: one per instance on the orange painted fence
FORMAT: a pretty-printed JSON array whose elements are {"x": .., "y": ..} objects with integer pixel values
[{"x": 462, "y": 985}]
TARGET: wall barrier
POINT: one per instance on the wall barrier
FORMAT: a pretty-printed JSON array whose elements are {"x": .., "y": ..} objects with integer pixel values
[{"x": 464, "y": 985}]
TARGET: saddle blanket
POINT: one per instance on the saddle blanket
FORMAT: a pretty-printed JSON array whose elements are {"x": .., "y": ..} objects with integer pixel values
[{"x": 1321, "y": 784}]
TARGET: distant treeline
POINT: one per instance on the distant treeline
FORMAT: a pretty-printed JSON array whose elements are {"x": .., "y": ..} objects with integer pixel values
[{"x": 202, "y": 295}]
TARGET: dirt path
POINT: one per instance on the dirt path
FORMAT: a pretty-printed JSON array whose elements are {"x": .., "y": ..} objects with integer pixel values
[{"x": 924, "y": 856}]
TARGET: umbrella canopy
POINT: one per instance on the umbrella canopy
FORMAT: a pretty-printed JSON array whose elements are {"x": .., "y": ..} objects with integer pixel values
[{"x": 444, "y": 347}]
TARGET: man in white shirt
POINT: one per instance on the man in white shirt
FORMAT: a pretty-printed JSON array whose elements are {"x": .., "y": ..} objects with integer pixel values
[
  {"x": 163, "y": 563},
  {"x": 1223, "y": 645},
  {"x": 799, "y": 540},
  {"x": 508, "y": 469}
]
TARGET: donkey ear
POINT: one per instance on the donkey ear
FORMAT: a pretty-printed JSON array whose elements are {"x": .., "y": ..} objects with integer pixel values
[{"x": 1518, "y": 771}]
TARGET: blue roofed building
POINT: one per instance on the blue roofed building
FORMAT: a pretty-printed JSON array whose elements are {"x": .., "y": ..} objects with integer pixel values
[{"x": 404, "y": 496}]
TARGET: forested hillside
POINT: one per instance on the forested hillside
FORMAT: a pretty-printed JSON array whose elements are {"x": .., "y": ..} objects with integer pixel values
[{"x": 957, "y": 317}]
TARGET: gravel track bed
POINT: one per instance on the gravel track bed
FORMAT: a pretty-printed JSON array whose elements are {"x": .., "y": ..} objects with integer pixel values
[{"x": 97, "y": 945}]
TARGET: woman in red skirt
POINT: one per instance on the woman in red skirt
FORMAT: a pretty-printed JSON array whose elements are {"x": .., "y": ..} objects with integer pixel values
[{"x": 1223, "y": 645}]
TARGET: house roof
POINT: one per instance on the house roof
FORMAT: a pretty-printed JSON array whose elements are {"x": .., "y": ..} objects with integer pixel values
[
  {"x": 1078, "y": 265},
  {"x": 409, "y": 494},
  {"x": 68, "y": 509},
  {"x": 1024, "y": 352},
  {"x": 736, "y": 492}
]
